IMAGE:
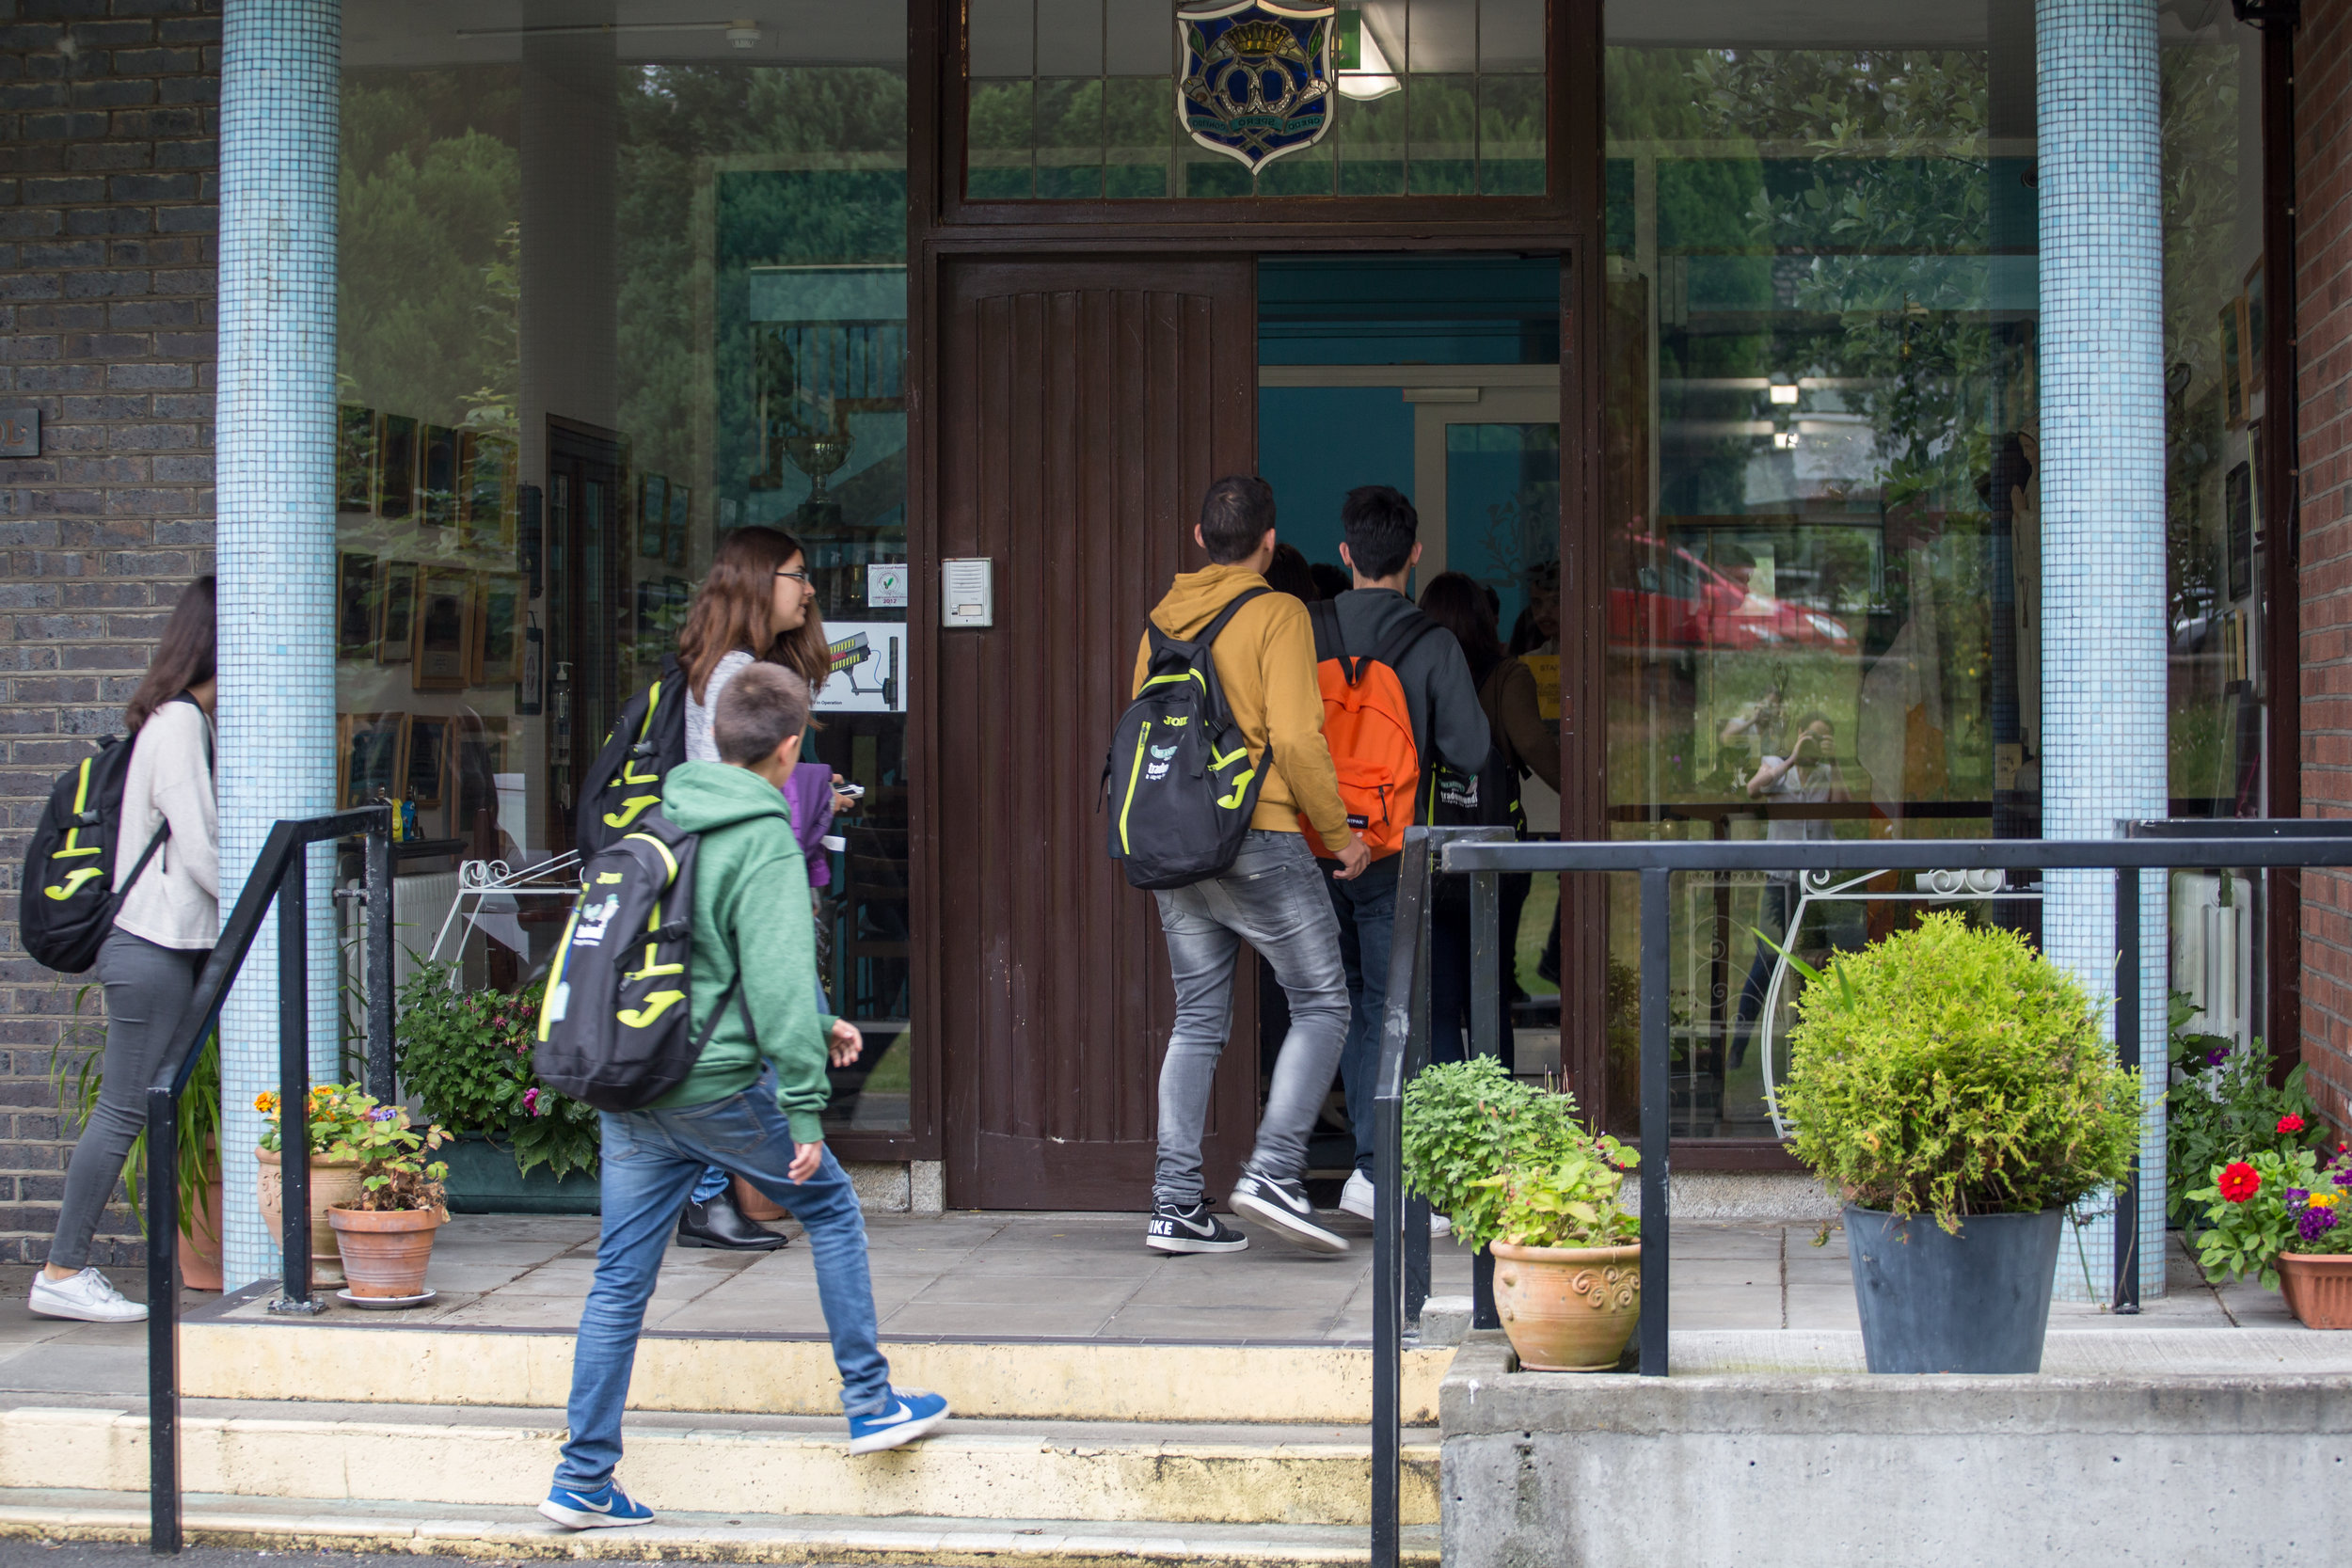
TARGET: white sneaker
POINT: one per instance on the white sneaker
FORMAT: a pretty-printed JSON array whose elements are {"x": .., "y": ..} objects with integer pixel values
[
  {"x": 1356, "y": 1196},
  {"x": 88, "y": 1297}
]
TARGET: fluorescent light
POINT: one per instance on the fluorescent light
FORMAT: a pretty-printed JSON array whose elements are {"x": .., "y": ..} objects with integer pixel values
[{"x": 1784, "y": 393}]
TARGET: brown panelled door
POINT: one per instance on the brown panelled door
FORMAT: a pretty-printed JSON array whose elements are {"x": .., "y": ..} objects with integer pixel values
[{"x": 1084, "y": 407}]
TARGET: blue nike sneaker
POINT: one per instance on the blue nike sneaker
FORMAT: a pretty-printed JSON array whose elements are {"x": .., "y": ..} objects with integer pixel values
[
  {"x": 601, "y": 1509},
  {"x": 913, "y": 1414}
]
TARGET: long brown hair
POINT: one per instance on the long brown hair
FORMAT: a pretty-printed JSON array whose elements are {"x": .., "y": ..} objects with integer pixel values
[
  {"x": 735, "y": 609},
  {"x": 1459, "y": 604},
  {"x": 183, "y": 658}
]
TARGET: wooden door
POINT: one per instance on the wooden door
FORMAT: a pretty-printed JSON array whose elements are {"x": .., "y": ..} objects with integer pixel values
[{"x": 1085, "y": 406}]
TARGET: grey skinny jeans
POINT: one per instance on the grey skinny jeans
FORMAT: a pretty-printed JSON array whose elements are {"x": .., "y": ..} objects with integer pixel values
[
  {"x": 148, "y": 987},
  {"x": 1272, "y": 897}
]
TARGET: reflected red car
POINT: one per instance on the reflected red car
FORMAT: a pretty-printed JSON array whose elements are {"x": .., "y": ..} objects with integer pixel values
[{"x": 1670, "y": 598}]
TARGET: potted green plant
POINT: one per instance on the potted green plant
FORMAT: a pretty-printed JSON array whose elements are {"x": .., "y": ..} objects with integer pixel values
[
  {"x": 516, "y": 1147},
  {"x": 334, "y": 1114},
  {"x": 2281, "y": 1214},
  {"x": 1955, "y": 1088},
  {"x": 387, "y": 1229},
  {"x": 1521, "y": 1175},
  {"x": 2220, "y": 1107}
]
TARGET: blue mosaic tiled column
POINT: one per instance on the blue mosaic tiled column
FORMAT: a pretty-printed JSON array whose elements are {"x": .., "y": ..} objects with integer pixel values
[
  {"x": 2103, "y": 520},
  {"x": 275, "y": 489}
]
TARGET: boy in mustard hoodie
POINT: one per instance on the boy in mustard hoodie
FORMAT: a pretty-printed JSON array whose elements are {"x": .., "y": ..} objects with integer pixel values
[{"x": 751, "y": 926}]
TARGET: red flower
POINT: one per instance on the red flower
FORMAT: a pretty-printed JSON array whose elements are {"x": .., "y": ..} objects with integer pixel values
[
  {"x": 2290, "y": 1123},
  {"x": 2240, "y": 1182}
]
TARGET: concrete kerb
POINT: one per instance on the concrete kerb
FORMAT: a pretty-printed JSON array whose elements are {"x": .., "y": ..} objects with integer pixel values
[{"x": 1551, "y": 1468}]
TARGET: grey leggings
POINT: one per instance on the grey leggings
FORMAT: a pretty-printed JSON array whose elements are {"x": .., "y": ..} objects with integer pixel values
[{"x": 147, "y": 991}]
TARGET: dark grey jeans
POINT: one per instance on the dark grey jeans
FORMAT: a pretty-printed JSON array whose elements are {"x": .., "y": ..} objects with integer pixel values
[
  {"x": 147, "y": 992},
  {"x": 1272, "y": 897}
]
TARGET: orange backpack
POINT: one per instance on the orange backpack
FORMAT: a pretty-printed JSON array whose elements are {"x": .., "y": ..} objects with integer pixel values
[{"x": 1369, "y": 728}]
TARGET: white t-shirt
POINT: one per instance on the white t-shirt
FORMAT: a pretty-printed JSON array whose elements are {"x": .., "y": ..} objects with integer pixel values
[
  {"x": 1809, "y": 787},
  {"x": 700, "y": 744}
]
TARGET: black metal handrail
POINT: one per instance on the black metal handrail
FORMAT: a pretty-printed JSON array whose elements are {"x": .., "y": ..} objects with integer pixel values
[
  {"x": 280, "y": 875},
  {"x": 1483, "y": 854}
]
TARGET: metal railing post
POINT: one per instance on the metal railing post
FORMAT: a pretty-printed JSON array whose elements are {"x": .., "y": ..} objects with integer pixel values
[
  {"x": 163, "y": 1320},
  {"x": 1657, "y": 1109},
  {"x": 294, "y": 1083},
  {"x": 1416, "y": 1214},
  {"x": 2127, "y": 1054},
  {"x": 377, "y": 886}
]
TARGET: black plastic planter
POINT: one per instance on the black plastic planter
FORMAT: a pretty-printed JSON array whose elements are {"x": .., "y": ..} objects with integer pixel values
[{"x": 1978, "y": 1301}]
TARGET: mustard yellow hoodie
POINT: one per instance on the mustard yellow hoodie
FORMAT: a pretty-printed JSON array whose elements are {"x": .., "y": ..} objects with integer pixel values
[{"x": 1265, "y": 660}]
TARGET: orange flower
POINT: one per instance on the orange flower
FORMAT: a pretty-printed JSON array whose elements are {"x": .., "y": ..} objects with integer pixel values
[{"x": 265, "y": 1103}]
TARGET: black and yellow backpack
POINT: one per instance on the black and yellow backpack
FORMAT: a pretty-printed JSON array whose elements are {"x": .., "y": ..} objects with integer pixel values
[{"x": 625, "y": 781}]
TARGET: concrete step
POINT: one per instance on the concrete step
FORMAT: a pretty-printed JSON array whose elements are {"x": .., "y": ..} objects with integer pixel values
[
  {"x": 236, "y": 1352},
  {"x": 1071, "y": 1471},
  {"x": 507, "y": 1533}
]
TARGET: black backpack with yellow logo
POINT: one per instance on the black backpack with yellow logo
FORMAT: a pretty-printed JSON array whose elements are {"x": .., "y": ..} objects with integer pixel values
[
  {"x": 68, "y": 901},
  {"x": 1179, "y": 781},
  {"x": 625, "y": 781},
  {"x": 616, "y": 1026}
]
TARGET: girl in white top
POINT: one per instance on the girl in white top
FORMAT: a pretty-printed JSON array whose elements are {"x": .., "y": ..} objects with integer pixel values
[
  {"x": 163, "y": 930},
  {"x": 756, "y": 604}
]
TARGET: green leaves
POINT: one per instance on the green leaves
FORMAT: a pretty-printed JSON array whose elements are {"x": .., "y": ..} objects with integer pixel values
[
  {"x": 467, "y": 1056},
  {"x": 1507, "y": 1160},
  {"x": 1953, "y": 1070}
]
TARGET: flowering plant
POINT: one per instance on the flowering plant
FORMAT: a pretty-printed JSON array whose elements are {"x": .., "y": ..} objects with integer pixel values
[
  {"x": 334, "y": 1114},
  {"x": 2270, "y": 1202},
  {"x": 395, "y": 1174},
  {"x": 2221, "y": 1107},
  {"x": 467, "y": 1056}
]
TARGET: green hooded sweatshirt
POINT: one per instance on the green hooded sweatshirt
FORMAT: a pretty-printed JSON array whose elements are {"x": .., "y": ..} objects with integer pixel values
[{"x": 752, "y": 919}]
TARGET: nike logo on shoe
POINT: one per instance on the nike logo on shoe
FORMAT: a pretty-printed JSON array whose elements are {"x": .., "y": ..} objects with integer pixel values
[{"x": 605, "y": 1507}]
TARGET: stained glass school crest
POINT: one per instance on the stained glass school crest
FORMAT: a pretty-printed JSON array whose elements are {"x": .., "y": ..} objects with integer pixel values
[{"x": 1256, "y": 77}]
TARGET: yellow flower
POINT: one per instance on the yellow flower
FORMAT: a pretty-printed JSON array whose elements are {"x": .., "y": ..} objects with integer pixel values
[
  {"x": 2324, "y": 1200},
  {"x": 265, "y": 1103}
]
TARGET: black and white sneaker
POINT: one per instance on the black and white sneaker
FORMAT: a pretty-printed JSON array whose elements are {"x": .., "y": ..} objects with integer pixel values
[
  {"x": 1193, "y": 1229},
  {"x": 1284, "y": 1206}
]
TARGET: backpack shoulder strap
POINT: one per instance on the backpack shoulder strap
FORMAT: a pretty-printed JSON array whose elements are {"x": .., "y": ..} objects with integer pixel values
[
  {"x": 1330, "y": 642},
  {"x": 1399, "y": 644},
  {"x": 1209, "y": 633}
]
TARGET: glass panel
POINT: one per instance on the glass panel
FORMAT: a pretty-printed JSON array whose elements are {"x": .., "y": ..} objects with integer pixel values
[
  {"x": 604, "y": 299},
  {"x": 1116, "y": 141}
]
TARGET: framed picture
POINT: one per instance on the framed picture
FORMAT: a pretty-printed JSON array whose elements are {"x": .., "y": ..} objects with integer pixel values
[
  {"x": 359, "y": 441},
  {"x": 499, "y": 638},
  {"x": 444, "y": 629},
  {"x": 396, "y": 490},
  {"x": 681, "y": 511},
  {"x": 357, "y": 603},
  {"x": 396, "y": 583},
  {"x": 2254, "y": 330},
  {"x": 372, "y": 750},
  {"x": 485, "y": 513},
  {"x": 428, "y": 760},
  {"x": 653, "y": 515},
  {"x": 439, "y": 493}
]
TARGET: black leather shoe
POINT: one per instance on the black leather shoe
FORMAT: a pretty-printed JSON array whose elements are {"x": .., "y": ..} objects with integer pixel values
[{"x": 721, "y": 1223}]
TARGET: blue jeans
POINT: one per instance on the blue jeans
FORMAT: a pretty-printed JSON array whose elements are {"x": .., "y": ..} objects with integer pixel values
[
  {"x": 1366, "y": 908},
  {"x": 714, "y": 1179},
  {"x": 650, "y": 1161},
  {"x": 1772, "y": 918},
  {"x": 1269, "y": 897}
]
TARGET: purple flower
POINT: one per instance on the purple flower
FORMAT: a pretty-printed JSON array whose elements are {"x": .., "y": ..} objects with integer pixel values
[
  {"x": 531, "y": 1103},
  {"x": 2314, "y": 1222},
  {"x": 2296, "y": 1197},
  {"x": 2214, "y": 1058},
  {"x": 382, "y": 1113}
]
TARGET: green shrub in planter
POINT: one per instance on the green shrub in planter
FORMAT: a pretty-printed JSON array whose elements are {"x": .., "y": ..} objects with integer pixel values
[
  {"x": 1950, "y": 1070},
  {"x": 1509, "y": 1162},
  {"x": 465, "y": 1055}
]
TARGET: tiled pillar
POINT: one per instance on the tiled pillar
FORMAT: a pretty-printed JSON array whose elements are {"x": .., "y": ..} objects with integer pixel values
[
  {"x": 275, "y": 486},
  {"x": 2103, "y": 519}
]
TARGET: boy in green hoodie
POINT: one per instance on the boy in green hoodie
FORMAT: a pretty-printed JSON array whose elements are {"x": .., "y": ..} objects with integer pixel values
[{"x": 753, "y": 932}]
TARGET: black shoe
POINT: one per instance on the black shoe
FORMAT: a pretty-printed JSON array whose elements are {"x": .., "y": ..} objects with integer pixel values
[
  {"x": 1284, "y": 1206},
  {"x": 1193, "y": 1229},
  {"x": 721, "y": 1223}
]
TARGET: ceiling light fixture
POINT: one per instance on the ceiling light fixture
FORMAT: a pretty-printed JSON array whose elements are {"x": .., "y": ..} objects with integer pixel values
[{"x": 1370, "y": 77}]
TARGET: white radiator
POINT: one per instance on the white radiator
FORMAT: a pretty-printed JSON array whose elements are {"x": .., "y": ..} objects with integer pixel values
[
  {"x": 2213, "y": 952},
  {"x": 419, "y": 904}
]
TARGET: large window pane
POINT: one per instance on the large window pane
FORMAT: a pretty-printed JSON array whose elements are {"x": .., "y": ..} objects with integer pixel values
[{"x": 603, "y": 298}]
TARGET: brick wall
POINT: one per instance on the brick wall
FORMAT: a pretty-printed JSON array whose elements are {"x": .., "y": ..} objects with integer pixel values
[
  {"x": 2323, "y": 157},
  {"x": 109, "y": 114}
]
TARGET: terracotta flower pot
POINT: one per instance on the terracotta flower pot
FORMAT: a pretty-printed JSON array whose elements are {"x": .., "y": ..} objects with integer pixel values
[
  {"x": 333, "y": 1183},
  {"x": 1569, "y": 1310},
  {"x": 754, "y": 1205},
  {"x": 2318, "y": 1287},
  {"x": 200, "y": 1245},
  {"x": 385, "y": 1254}
]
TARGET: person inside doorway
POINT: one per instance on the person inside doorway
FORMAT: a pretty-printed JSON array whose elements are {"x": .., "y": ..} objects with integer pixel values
[
  {"x": 1806, "y": 776},
  {"x": 1375, "y": 619},
  {"x": 756, "y": 606},
  {"x": 1270, "y": 897}
]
